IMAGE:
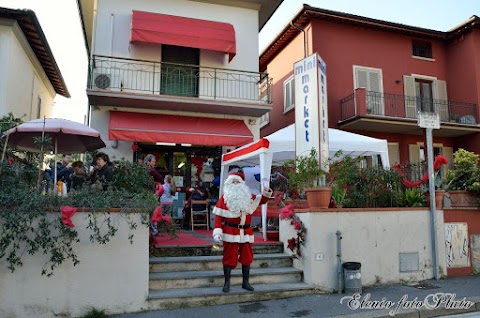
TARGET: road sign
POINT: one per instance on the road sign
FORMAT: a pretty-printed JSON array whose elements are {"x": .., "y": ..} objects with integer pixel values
[{"x": 429, "y": 120}]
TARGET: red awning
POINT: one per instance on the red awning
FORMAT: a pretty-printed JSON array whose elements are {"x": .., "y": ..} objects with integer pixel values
[
  {"x": 172, "y": 30},
  {"x": 178, "y": 129}
]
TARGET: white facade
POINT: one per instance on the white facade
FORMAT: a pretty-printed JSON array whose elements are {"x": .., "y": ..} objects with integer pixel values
[
  {"x": 113, "y": 25},
  {"x": 376, "y": 239},
  {"x": 111, "y": 38},
  {"x": 24, "y": 87},
  {"x": 111, "y": 276}
]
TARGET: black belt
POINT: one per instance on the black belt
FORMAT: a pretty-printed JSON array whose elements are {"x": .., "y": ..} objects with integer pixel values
[{"x": 237, "y": 226}]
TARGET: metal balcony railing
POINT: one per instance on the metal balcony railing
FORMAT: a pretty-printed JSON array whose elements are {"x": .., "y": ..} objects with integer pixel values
[
  {"x": 401, "y": 106},
  {"x": 148, "y": 77}
]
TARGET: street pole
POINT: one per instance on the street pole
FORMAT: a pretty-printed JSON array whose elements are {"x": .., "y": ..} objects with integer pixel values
[{"x": 433, "y": 208}]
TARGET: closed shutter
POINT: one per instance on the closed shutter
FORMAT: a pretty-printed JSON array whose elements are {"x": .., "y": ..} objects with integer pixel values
[
  {"x": 414, "y": 153},
  {"x": 410, "y": 96},
  {"x": 448, "y": 153},
  {"x": 393, "y": 154},
  {"x": 361, "y": 79},
  {"x": 374, "y": 81},
  {"x": 289, "y": 94},
  {"x": 440, "y": 94},
  {"x": 179, "y": 80},
  {"x": 371, "y": 80}
]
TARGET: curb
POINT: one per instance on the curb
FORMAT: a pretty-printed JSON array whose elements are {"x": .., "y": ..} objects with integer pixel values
[{"x": 414, "y": 313}]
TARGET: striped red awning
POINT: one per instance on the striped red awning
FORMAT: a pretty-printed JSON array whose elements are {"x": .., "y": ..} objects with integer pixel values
[
  {"x": 142, "y": 127},
  {"x": 148, "y": 27}
]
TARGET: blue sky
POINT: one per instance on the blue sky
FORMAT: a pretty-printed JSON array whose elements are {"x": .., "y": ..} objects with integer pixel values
[
  {"x": 60, "y": 22},
  {"x": 440, "y": 15}
]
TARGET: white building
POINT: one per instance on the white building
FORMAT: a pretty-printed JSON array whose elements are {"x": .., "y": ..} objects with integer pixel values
[
  {"x": 176, "y": 78},
  {"x": 29, "y": 76}
]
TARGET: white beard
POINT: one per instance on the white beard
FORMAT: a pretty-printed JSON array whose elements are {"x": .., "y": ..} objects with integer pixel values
[{"x": 237, "y": 196}]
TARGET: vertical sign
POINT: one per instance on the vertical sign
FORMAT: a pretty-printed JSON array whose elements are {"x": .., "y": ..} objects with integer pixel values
[{"x": 311, "y": 108}]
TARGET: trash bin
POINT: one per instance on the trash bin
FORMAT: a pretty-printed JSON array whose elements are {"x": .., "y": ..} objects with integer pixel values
[{"x": 352, "y": 277}]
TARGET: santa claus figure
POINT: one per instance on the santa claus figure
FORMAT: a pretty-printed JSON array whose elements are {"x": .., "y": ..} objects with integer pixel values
[{"x": 233, "y": 214}]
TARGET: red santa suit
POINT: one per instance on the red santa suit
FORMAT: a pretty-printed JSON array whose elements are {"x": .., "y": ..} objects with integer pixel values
[{"x": 236, "y": 231}]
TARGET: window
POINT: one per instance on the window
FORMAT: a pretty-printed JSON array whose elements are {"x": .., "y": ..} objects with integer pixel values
[
  {"x": 423, "y": 93},
  {"x": 422, "y": 49},
  {"x": 371, "y": 79},
  {"x": 265, "y": 119},
  {"x": 289, "y": 94},
  {"x": 177, "y": 78},
  {"x": 39, "y": 107}
]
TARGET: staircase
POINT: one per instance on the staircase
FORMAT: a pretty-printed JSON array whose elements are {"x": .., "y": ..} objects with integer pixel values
[{"x": 197, "y": 279}]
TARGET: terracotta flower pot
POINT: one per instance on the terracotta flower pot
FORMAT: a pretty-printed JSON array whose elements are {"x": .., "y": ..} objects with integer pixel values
[
  {"x": 438, "y": 198},
  {"x": 318, "y": 197},
  {"x": 460, "y": 198}
]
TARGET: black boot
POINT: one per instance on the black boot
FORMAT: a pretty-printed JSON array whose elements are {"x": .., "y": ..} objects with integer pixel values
[
  {"x": 246, "y": 276},
  {"x": 227, "y": 270}
]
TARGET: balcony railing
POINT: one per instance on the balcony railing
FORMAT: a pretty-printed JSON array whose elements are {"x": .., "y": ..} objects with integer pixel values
[
  {"x": 148, "y": 77},
  {"x": 363, "y": 102}
]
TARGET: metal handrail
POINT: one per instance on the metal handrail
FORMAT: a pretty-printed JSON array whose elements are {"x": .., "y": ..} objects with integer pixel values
[
  {"x": 131, "y": 75},
  {"x": 401, "y": 106}
]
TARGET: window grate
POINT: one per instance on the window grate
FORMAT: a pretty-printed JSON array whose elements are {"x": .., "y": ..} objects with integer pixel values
[{"x": 422, "y": 49}]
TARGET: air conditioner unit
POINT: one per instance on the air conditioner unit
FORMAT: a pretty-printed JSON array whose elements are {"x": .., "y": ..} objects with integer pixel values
[{"x": 105, "y": 81}]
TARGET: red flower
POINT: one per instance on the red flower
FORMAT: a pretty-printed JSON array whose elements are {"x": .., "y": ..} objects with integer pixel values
[
  {"x": 287, "y": 212},
  {"x": 291, "y": 244},
  {"x": 297, "y": 225}
]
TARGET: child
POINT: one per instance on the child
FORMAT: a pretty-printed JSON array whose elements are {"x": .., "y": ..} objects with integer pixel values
[{"x": 78, "y": 176}]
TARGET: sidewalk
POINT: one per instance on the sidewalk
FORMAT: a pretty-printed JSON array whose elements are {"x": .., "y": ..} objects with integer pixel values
[{"x": 328, "y": 305}]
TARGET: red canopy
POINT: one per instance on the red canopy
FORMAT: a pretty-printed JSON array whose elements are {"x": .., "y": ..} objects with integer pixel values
[
  {"x": 173, "y": 30},
  {"x": 178, "y": 129}
]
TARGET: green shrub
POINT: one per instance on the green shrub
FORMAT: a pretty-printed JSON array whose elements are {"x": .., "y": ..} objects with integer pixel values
[
  {"x": 27, "y": 225},
  {"x": 465, "y": 174}
]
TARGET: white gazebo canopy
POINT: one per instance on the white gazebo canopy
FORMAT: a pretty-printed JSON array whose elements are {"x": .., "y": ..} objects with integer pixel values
[{"x": 275, "y": 149}]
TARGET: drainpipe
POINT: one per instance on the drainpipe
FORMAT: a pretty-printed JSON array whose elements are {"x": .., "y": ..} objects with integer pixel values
[
  {"x": 339, "y": 262},
  {"x": 304, "y": 38},
  {"x": 92, "y": 52}
]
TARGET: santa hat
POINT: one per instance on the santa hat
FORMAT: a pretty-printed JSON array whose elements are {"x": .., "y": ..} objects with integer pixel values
[{"x": 238, "y": 175}]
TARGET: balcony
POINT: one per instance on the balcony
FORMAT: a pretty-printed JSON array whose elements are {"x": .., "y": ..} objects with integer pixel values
[
  {"x": 373, "y": 111},
  {"x": 122, "y": 82}
]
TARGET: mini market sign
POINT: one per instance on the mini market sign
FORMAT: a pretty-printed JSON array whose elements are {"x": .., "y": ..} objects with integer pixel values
[{"x": 311, "y": 108}]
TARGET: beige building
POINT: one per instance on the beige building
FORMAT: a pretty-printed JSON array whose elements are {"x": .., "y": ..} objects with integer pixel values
[{"x": 29, "y": 77}]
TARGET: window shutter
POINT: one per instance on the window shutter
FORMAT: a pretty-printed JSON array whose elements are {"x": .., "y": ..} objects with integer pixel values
[
  {"x": 440, "y": 94},
  {"x": 410, "y": 98},
  {"x": 393, "y": 153},
  {"x": 448, "y": 153},
  {"x": 414, "y": 153},
  {"x": 374, "y": 81},
  {"x": 292, "y": 90},
  {"x": 289, "y": 94},
  {"x": 361, "y": 78}
]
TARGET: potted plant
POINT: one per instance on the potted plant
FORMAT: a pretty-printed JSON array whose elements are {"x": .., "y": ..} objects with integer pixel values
[
  {"x": 463, "y": 181},
  {"x": 413, "y": 197},
  {"x": 307, "y": 174}
]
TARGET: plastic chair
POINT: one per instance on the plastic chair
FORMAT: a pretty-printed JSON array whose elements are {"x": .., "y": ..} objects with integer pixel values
[{"x": 199, "y": 218}]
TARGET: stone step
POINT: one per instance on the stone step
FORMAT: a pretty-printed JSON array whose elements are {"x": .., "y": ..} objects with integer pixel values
[
  {"x": 207, "y": 296},
  {"x": 210, "y": 278},
  {"x": 214, "y": 262},
  {"x": 205, "y": 250}
]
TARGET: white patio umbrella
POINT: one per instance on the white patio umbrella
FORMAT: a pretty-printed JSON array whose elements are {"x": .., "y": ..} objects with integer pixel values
[{"x": 67, "y": 136}]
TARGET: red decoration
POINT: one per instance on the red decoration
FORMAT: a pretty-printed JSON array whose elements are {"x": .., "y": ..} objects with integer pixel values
[
  {"x": 67, "y": 213},
  {"x": 135, "y": 147},
  {"x": 438, "y": 163}
]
